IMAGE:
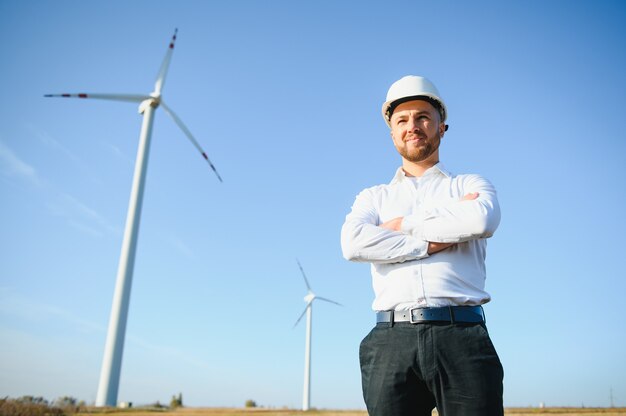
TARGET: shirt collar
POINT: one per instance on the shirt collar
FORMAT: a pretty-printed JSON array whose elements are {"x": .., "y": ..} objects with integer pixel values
[{"x": 437, "y": 169}]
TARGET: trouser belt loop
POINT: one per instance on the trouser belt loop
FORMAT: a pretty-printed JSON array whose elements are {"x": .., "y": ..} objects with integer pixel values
[
  {"x": 451, "y": 314},
  {"x": 484, "y": 316},
  {"x": 391, "y": 319}
]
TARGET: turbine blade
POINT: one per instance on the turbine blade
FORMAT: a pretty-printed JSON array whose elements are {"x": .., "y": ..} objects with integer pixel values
[
  {"x": 328, "y": 300},
  {"x": 301, "y": 315},
  {"x": 306, "y": 281},
  {"x": 165, "y": 65},
  {"x": 133, "y": 98},
  {"x": 189, "y": 136}
]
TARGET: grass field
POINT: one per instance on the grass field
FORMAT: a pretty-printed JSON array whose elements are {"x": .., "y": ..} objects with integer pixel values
[{"x": 562, "y": 411}]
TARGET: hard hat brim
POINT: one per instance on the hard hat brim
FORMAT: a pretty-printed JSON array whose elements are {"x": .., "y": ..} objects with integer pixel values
[{"x": 390, "y": 106}]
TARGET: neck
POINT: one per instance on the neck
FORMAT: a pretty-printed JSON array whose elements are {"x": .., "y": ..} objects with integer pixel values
[{"x": 418, "y": 168}]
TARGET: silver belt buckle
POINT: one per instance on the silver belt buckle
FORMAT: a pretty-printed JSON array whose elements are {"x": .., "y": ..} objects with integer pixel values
[{"x": 411, "y": 316}]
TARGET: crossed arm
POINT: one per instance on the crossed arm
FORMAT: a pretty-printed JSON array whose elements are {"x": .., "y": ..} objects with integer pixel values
[
  {"x": 433, "y": 246},
  {"x": 420, "y": 234}
]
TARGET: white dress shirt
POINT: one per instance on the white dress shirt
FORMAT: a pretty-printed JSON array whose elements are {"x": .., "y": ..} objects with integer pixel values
[{"x": 404, "y": 276}]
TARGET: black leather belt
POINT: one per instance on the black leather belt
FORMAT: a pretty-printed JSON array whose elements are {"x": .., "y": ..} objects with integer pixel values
[{"x": 451, "y": 314}]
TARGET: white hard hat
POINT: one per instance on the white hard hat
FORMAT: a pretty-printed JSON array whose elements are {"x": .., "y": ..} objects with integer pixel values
[{"x": 411, "y": 88}]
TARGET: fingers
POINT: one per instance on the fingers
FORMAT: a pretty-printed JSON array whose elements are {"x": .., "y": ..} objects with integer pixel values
[
  {"x": 393, "y": 225},
  {"x": 470, "y": 197},
  {"x": 437, "y": 247}
]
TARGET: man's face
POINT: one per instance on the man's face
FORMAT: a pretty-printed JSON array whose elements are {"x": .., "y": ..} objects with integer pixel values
[{"x": 416, "y": 130}]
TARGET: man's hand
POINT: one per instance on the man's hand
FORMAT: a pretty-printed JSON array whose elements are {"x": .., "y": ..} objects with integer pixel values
[
  {"x": 393, "y": 225},
  {"x": 437, "y": 247}
]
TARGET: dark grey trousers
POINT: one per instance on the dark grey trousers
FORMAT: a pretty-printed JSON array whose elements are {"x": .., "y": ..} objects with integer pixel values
[{"x": 409, "y": 369}]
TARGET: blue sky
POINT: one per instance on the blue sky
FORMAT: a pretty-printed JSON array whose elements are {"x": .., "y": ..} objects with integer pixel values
[{"x": 285, "y": 97}]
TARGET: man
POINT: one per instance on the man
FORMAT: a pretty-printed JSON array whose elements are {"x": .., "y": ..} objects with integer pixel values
[{"x": 424, "y": 235}]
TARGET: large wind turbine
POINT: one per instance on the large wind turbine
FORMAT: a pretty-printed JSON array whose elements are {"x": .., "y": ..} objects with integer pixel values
[
  {"x": 308, "y": 310},
  {"x": 112, "y": 361}
]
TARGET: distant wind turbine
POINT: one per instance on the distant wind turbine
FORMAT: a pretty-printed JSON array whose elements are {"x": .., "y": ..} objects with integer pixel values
[
  {"x": 308, "y": 310},
  {"x": 112, "y": 361}
]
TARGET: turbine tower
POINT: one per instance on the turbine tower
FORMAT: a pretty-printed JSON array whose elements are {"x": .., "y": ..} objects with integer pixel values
[
  {"x": 308, "y": 310},
  {"x": 114, "y": 347}
]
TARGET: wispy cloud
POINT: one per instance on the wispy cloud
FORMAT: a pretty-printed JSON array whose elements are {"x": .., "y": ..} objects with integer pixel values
[
  {"x": 14, "y": 305},
  {"x": 85, "y": 228},
  {"x": 117, "y": 152},
  {"x": 168, "y": 351},
  {"x": 47, "y": 140},
  {"x": 78, "y": 215},
  {"x": 18, "y": 306},
  {"x": 52, "y": 143},
  {"x": 11, "y": 166},
  {"x": 183, "y": 248},
  {"x": 59, "y": 148},
  {"x": 81, "y": 216}
]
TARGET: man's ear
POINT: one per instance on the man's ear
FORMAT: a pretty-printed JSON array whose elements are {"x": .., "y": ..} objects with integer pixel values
[{"x": 443, "y": 127}]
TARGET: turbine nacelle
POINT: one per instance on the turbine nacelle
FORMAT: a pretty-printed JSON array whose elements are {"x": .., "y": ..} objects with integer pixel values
[
  {"x": 153, "y": 102},
  {"x": 309, "y": 297}
]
